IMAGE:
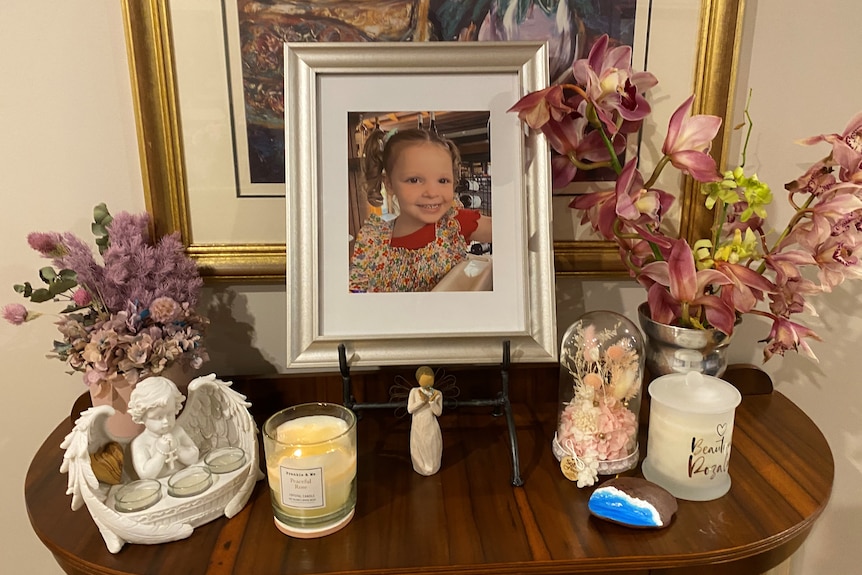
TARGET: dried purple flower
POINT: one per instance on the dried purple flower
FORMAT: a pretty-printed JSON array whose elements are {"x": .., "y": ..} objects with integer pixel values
[
  {"x": 164, "y": 309},
  {"x": 15, "y": 313},
  {"x": 47, "y": 244},
  {"x": 81, "y": 297}
]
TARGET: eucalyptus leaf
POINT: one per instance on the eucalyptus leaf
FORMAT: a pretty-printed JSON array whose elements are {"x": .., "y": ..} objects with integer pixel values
[
  {"x": 101, "y": 220},
  {"x": 100, "y": 212},
  {"x": 24, "y": 290},
  {"x": 47, "y": 274},
  {"x": 41, "y": 295},
  {"x": 60, "y": 285}
]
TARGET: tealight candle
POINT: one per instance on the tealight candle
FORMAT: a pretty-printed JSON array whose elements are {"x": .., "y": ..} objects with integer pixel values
[
  {"x": 225, "y": 459},
  {"x": 311, "y": 468},
  {"x": 190, "y": 481},
  {"x": 690, "y": 433},
  {"x": 137, "y": 495}
]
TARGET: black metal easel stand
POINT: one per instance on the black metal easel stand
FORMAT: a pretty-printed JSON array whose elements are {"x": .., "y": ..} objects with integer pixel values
[{"x": 501, "y": 403}]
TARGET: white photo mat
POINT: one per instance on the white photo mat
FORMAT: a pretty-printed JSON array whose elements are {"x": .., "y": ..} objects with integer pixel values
[{"x": 323, "y": 82}]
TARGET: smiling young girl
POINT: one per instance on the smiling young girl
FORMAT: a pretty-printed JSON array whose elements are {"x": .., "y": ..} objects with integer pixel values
[{"x": 431, "y": 233}]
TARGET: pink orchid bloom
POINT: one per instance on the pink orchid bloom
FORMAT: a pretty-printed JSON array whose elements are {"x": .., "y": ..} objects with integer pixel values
[
  {"x": 846, "y": 147},
  {"x": 538, "y": 108},
  {"x": 830, "y": 210},
  {"x": 686, "y": 287},
  {"x": 786, "y": 335},
  {"x": 790, "y": 297},
  {"x": 688, "y": 142},
  {"x": 599, "y": 209},
  {"x": 634, "y": 203},
  {"x": 786, "y": 264},
  {"x": 611, "y": 85},
  {"x": 568, "y": 137},
  {"x": 562, "y": 172},
  {"x": 747, "y": 287},
  {"x": 838, "y": 260},
  {"x": 816, "y": 179},
  {"x": 638, "y": 252}
]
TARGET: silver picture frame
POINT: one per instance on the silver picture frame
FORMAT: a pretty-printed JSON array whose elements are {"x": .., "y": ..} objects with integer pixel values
[{"x": 323, "y": 82}]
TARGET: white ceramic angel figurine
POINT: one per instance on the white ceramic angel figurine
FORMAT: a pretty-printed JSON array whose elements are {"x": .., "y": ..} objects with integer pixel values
[
  {"x": 162, "y": 447},
  {"x": 426, "y": 442}
]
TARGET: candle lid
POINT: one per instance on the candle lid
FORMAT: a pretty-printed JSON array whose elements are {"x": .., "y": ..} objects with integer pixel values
[{"x": 694, "y": 392}]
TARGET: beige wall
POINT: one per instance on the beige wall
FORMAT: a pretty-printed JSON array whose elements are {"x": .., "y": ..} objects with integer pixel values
[{"x": 67, "y": 142}]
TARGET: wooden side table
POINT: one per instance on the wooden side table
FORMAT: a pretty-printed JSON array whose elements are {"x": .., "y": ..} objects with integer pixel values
[{"x": 468, "y": 518}]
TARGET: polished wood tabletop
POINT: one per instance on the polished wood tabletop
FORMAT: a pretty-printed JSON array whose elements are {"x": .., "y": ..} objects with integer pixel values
[{"x": 469, "y": 518}]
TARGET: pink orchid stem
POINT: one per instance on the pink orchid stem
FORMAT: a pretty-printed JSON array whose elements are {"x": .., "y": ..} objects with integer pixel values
[
  {"x": 684, "y": 318},
  {"x": 574, "y": 87},
  {"x": 593, "y": 118},
  {"x": 800, "y": 213},
  {"x": 615, "y": 161},
  {"x": 657, "y": 172},
  {"x": 584, "y": 165}
]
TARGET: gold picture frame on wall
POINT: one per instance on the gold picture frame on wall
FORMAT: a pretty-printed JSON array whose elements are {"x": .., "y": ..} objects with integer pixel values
[{"x": 166, "y": 155}]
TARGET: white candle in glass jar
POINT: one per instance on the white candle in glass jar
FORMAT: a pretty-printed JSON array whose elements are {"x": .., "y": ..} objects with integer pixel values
[
  {"x": 314, "y": 465},
  {"x": 690, "y": 435}
]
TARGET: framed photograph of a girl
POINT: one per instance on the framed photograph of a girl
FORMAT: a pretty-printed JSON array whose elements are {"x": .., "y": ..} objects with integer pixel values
[
  {"x": 418, "y": 209},
  {"x": 418, "y": 197}
]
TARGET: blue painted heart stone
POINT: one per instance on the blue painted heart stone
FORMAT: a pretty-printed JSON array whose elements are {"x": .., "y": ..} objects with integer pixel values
[{"x": 633, "y": 502}]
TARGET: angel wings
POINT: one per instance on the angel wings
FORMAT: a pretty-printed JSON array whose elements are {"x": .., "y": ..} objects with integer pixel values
[{"x": 215, "y": 417}]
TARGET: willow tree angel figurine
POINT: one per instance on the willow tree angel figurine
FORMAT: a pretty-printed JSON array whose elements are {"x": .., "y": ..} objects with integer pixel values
[{"x": 425, "y": 404}]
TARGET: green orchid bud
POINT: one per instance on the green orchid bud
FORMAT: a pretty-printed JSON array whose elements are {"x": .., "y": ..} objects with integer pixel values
[
  {"x": 758, "y": 195},
  {"x": 702, "y": 251},
  {"x": 737, "y": 248}
]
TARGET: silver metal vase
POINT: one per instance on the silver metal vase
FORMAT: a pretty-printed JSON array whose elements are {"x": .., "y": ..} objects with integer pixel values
[{"x": 671, "y": 349}]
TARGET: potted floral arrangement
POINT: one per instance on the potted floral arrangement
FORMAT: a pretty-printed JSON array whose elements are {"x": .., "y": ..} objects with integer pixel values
[
  {"x": 741, "y": 268},
  {"x": 127, "y": 318},
  {"x": 700, "y": 291}
]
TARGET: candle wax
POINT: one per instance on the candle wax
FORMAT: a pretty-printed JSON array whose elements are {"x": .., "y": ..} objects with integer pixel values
[
  {"x": 189, "y": 481},
  {"x": 225, "y": 459},
  {"x": 314, "y": 465}
]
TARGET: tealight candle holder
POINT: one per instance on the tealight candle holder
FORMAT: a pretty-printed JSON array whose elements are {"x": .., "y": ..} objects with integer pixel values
[
  {"x": 225, "y": 459},
  {"x": 137, "y": 495},
  {"x": 190, "y": 481},
  {"x": 690, "y": 434}
]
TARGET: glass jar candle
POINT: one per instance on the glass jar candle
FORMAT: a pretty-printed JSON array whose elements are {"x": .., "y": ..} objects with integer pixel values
[
  {"x": 311, "y": 468},
  {"x": 690, "y": 435}
]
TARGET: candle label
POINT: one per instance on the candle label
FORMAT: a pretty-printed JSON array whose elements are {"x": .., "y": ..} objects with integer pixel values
[
  {"x": 702, "y": 461},
  {"x": 302, "y": 488}
]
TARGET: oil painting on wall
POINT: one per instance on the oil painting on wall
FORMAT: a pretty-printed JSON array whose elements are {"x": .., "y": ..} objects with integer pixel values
[{"x": 257, "y": 30}]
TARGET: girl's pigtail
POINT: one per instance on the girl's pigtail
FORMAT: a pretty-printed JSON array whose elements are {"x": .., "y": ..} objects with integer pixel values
[{"x": 372, "y": 167}]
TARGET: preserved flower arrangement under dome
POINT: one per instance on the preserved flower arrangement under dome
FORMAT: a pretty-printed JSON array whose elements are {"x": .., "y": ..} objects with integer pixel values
[
  {"x": 746, "y": 265},
  {"x": 127, "y": 318},
  {"x": 602, "y": 364}
]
